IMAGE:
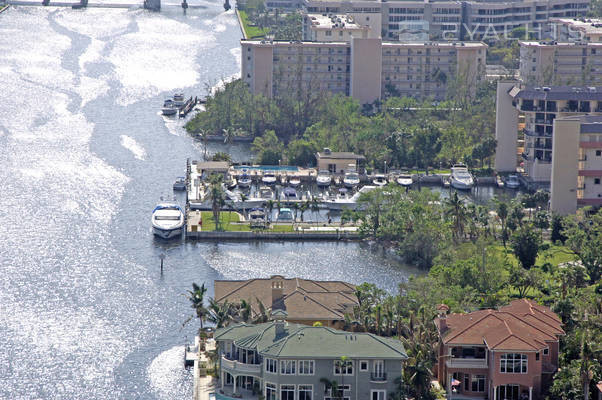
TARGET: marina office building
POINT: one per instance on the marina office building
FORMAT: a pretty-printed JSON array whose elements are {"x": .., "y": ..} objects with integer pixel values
[
  {"x": 466, "y": 20},
  {"x": 364, "y": 68},
  {"x": 541, "y": 106}
]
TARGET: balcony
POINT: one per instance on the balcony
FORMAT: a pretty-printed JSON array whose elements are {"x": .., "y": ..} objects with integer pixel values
[
  {"x": 378, "y": 378},
  {"x": 239, "y": 368},
  {"x": 466, "y": 363}
]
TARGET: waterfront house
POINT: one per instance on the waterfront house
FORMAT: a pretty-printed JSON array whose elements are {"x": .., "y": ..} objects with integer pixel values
[
  {"x": 338, "y": 162},
  {"x": 505, "y": 354},
  {"x": 288, "y": 361},
  {"x": 305, "y": 301}
]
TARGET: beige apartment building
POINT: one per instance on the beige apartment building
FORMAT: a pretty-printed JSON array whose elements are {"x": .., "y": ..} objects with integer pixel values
[
  {"x": 333, "y": 28},
  {"x": 541, "y": 106},
  {"x": 568, "y": 63},
  {"x": 576, "y": 29},
  {"x": 366, "y": 69},
  {"x": 448, "y": 19},
  {"x": 577, "y": 165}
]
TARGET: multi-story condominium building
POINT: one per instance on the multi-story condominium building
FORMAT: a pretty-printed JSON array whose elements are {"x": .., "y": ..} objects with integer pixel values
[
  {"x": 448, "y": 19},
  {"x": 576, "y": 30},
  {"x": 333, "y": 28},
  {"x": 577, "y": 163},
  {"x": 506, "y": 354},
  {"x": 364, "y": 12},
  {"x": 366, "y": 69},
  {"x": 540, "y": 106},
  {"x": 288, "y": 361},
  {"x": 554, "y": 63},
  {"x": 306, "y": 301}
]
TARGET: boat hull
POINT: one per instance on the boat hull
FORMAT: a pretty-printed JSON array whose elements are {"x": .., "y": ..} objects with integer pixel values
[
  {"x": 167, "y": 233},
  {"x": 405, "y": 182},
  {"x": 461, "y": 185}
]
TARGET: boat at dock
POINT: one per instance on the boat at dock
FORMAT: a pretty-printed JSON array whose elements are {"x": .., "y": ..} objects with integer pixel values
[
  {"x": 379, "y": 180},
  {"x": 405, "y": 180},
  {"x": 266, "y": 193},
  {"x": 230, "y": 183},
  {"x": 179, "y": 100},
  {"x": 294, "y": 181},
  {"x": 351, "y": 179},
  {"x": 512, "y": 182},
  {"x": 269, "y": 179},
  {"x": 343, "y": 201},
  {"x": 180, "y": 183},
  {"x": 289, "y": 193},
  {"x": 169, "y": 108},
  {"x": 285, "y": 214},
  {"x": 323, "y": 179},
  {"x": 244, "y": 181},
  {"x": 167, "y": 220},
  {"x": 460, "y": 177}
]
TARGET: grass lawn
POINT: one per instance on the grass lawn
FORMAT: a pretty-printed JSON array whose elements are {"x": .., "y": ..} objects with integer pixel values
[
  {"x": 554, "y": 255},
  {"x": 230, "y": 221},
  {"x": 252, "y": 32}
]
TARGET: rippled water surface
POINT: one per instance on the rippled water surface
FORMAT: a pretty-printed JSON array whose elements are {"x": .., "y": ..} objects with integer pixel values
[{"x": 84, "y": 156}]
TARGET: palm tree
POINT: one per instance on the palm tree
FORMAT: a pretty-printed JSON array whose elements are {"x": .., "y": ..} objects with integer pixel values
[
  {"x": 218, "y": 198},
  {"x": 262, "y": 314},
  {"x": 315, "y": 207},
  {"x": 502, "y": 213},
  {"x": 333, "y": 386},
  {"x": 456, "y": 210},
  {"x": 197, "y": 301},
  {"x": 220, "y": 313},
  {"x": 343, "y": 364},
  {"x": 243, "y": 198},
  {"x": 304, "y": 207},
  {"x": 270, "y": 207},
  {"x": 419, "y": 375},
  {"x": 244, "y": 311}
]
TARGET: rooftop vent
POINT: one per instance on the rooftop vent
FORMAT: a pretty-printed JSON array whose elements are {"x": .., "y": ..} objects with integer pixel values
[{"x": 327, "y": 150}]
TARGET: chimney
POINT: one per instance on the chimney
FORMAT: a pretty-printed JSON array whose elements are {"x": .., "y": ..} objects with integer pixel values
[
  {"x": 277, "y": 292},
  {"x": 279, "y": 318},
  {"x": 442, "y": 310}
]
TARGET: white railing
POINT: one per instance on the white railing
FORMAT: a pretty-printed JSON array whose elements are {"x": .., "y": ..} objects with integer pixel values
[
  {"x": 467, "y": 363},
  {"x": 242, "y": 368}
]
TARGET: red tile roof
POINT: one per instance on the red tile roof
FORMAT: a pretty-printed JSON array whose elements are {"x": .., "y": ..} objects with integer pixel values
[{"x": 522, "y": 325}]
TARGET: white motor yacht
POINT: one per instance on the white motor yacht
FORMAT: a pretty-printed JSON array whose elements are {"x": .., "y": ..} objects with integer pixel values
[
  {"x": 405, "y": 180},
  {"x": 294, "y": 181},
  {"x": 343, "y": 201},
  {"x": 244, "y": 181},
  {"x": 351, "y": 179},
  {"x": 323, "y": 179},
  {"x": 167, "y": 220},
  {"x": 461, "y": 178},
  {"x": 266, "y": 193},
  {"x": 379, "y": 180},
  {"x": 269, "y": 178},
  {"x": 512, "y": 182},
  {"x": 178, "y": 100}
]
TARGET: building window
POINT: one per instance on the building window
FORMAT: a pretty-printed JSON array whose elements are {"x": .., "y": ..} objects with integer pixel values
[
  {"x": 364, "y": 365},
  {"x": 306, "y": 367},
  {"x": 513, "y": 363},
  {"x": 598, "y": 153},
  {"x": 378, "y": 395},
  {"x": 287, "y": 367},
  {"x": 537, "y": 356},
  {"x": 343, "y": 368},
  {"x": 271, "y": 366},
  {"x": 306, "y": 392},
  {"x": 596, "y": 181},
  {"x": 328, "y": 33},
  {"x": 270, "y": 391},
  {"x": 287, "y": 392},
  {"x": 343, "y": 392},
  {"x": 546, "y": 351},
  {"x": 466, "y": 381},
  {"x": 478, "y": 383}
]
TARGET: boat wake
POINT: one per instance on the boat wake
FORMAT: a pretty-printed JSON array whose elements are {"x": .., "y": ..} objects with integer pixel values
[
  {"x": 168, "y": 377},
  {"x": 133, "y": 146}
]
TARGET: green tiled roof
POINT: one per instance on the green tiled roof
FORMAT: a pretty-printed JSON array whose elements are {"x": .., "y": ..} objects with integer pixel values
[{"x": 298, "y": 341}]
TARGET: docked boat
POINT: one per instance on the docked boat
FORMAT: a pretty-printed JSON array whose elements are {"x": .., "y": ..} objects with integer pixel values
[
  {"x": 343, "y": 201},
  {"x": 379, "y": 180},
  {"x": 289, "y": 193},
  {"x": 294, "y": 181},
  {"x": 230, "y": 183},
  {"x": 167, "y": 220},
  {"x": 257, "y": 214},
  {"x": 180, "y": 183},
  {"x": 405, "y": 180},
  {"x": 178, "y": 100},
  {"x": 244, "y": 181},
  {"x": 169, "y": 108},
  {"x": 351, "y": 179},
  {"x": 512, "y": 182},
  {"x": 266, "y": 193},
  {"x": 460, "y": 177},
  {"x": 323, "y": 179},
  {"x": 269, "y": 178},
  {"x": 285, "y": 214}
]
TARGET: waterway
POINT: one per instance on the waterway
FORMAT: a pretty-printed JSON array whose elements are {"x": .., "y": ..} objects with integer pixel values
[{"x": 84, "y": 311}]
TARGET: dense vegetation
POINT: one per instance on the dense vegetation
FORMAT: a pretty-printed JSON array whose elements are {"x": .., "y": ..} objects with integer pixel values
[
  {"x": 403, "y": 132},
  {"x": 260, "y": 22}
]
